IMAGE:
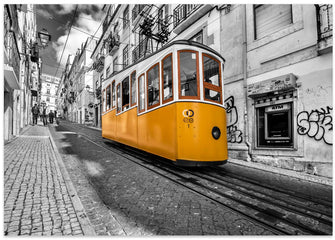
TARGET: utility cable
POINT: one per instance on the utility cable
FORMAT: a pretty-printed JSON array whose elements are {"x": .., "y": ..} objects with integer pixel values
[{"x": 74, "y": 16}]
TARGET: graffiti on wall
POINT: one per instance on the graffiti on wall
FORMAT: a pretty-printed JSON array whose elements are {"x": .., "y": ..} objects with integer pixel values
[
  {"x": 317, "y": 124},
  {"x": 234, "y": 135}
]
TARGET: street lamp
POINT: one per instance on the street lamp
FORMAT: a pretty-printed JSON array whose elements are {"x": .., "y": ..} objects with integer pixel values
[{"x": 44, "y": 37}]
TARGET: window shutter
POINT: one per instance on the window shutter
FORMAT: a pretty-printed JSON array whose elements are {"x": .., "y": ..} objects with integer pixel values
[{"x": 271, "y": 17}]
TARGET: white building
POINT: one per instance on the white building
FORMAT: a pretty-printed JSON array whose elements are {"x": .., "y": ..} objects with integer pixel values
[{"x": 49, "y": 91}]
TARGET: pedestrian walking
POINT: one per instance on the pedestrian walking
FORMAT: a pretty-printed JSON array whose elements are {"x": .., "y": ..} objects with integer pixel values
[
  {"x": 35, "y": 112},
  {"x": 51, "y": 117},
  {"x": 44, "y": 113}
]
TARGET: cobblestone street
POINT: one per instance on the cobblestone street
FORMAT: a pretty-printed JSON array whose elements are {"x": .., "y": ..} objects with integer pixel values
[{"x": 38, "y": 198}]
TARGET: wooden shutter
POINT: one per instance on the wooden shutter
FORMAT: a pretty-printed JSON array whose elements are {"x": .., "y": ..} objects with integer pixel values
[{"x": 271, "y": 17}]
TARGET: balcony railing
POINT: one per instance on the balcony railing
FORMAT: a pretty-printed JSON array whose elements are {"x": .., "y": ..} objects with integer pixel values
[
  {"x": 137, "y": 10},
  {"x": 325, "y": 27},
  {"x": 141, "y": 50},
  {"x": 98, "y": 65},
  {"x": 113, "y": 43},
  {"x": 182, "y": 11}
]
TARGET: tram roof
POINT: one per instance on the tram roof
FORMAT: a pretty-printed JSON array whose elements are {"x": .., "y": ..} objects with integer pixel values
[{"x": 185, "y": 42}]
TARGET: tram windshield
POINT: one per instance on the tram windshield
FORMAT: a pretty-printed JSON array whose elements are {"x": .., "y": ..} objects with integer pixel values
[{"x": 188, "y": 73}]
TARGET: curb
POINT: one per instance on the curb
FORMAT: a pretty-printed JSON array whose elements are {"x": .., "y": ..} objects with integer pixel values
[
  {"x": 285, "y": 172},
  {"x": 80, "y": 211}
]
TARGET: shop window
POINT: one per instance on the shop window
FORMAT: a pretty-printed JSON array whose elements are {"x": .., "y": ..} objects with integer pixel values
[
  {"x": 113, "y": 95},
  {"x": 269, "y": 18},
  {"x": 188, "y": 74},
  {"x": 212, "y": 79},
  {"x": 118, "y": 95},
  {"x": 108, "y": 97},
  {"x": 274, "y": 126},
  {"x": 153, "y": 86},
  {"x": 167, "y": 83},
  {"x": 133, "y": 88},
  {"x": 141, "y": 94},
  {"x": 125, "y": 93}
]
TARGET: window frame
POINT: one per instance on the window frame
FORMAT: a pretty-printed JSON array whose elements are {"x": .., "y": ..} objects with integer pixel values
[
  {"x": 209, "y": 85},
  {"x": 125, "y": 56},
  {"x": 198, "y": 78},
  {"x": 139, "y": 94},
  {"x": 113, "y": 94},
  {"x": 146, "y": 84},
  {"x": 110, "y": 89},
  {"x": 125, "y": 18},
  {"x": 162, "y": 81},
  {"x": 131, "y": 89}
]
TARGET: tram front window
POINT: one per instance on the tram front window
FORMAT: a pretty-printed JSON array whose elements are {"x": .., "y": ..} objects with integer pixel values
[
  {"x": 212, "y": 76},
  {"x": 153, "y": 86},
  {"x": 118, "y": 95},
  {"x": 188, "y": 77},
  {"x": 141, "y": 91},
  {"x": 108, "y": 97}
]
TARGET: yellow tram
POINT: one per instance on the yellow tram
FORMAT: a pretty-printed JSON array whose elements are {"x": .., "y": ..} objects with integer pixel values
[{"x": 170, "y": 104}]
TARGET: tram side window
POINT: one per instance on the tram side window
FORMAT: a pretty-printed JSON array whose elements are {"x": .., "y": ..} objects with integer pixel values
[
  {"x": 141, "y": 93},
  {"x": 133, "y": 88},
  {"x": 153, "y": 86},
  {"x": 118, "y": 95},
  {"x": 103, "y": 101},
  {"x": 125, "y": 93},
  {"x": 188, "y": 74},
  {"x": 108, "y": 97},
  {"x": 167, "y": 78},
  {"x": 113, "y": 95},
  {"x": 212, "y": 76}
]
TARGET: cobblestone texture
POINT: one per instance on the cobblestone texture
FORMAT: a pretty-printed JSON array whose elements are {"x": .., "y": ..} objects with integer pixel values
[{"x": 36, "y": 198}]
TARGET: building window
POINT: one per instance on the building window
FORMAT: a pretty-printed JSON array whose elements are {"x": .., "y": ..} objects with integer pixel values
[
  {"x": 125, "y": 57},
  {"x": 107, "y": 72},
  {"x": 125, "y": 93},
  {"x": 153, "y": 86},
  {"x": 274, "y": 125},
  {"x": 48, "y": 99},
  {"x": 48, "y": 91},
  {"x": 269, "y": 18},
  {"x": 133, "y": 88},
  {"x": 167, "y": 83},
  {"x": 126, "y": 17},
  {"x": 198, "y": 37},
  {"x": 115, "y": 64}
]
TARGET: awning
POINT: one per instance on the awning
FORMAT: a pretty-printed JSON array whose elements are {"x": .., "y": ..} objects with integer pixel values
[{"x": 10, "y": 77}]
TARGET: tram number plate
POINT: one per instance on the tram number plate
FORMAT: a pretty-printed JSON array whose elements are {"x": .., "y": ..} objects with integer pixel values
[{"x": 188, "y": 115}]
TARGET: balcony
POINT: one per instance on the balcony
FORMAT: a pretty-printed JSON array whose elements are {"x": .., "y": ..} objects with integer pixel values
[
  {"x": 141, "y": 50},
  {"x": 98, "y": 92},
  {"x": 98, "y": 65},
  {"x": 185, "y": 15},
  {"x": 325, "y": 27},
  {"x": 113, "y": 43}
]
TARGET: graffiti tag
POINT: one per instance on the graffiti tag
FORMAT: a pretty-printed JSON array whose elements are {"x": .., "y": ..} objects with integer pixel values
[
  {"x": 234, "y": 135},
  {"x": 317, "y": 124}
]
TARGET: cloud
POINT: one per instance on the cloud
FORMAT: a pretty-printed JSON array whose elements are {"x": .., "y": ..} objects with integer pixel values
[{"x": 85, "y": 23}]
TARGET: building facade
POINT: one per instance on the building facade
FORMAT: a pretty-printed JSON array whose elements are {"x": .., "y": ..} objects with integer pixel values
[
  {"x": 49, "y": 87},
  {"x": 21, "y": 68},
  {"x": 278, "y": 71}
]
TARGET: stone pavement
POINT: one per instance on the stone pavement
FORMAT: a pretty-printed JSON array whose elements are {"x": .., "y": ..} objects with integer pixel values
[{"x": 39, "y": 198}]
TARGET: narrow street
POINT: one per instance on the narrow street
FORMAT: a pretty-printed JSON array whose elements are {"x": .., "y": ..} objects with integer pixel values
[{"x": 124, "y": 191}]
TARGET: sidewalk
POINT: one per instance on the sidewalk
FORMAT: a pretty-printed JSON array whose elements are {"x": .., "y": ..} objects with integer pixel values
[{"x": 39, "y": 198}]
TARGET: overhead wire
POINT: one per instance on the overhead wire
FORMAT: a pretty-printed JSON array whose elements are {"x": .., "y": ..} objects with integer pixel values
[{"x": 74, "y": 15}]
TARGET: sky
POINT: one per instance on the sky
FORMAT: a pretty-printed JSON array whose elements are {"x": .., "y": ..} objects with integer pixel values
[{"x": 56, "y": 19}]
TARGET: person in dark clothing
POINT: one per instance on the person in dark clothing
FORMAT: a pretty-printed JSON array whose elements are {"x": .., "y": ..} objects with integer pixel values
[
  {"x": 35, "y": 112},
  {"x": 44, "y": 113},
  {"x": 51, "y": 117}
]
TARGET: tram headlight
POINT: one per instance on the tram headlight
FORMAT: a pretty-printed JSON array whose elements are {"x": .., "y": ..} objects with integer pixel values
[{"x": 216, "y": 133}]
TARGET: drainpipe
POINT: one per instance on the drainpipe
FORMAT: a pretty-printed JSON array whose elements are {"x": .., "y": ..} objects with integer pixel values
[{"x": 244, "y": 65}]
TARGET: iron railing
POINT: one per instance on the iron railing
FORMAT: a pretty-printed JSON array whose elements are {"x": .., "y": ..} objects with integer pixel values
[
  {"x": 141, "y": 50},
  {"x": 325, "y": 20},
  {"x": 137, "y": 10},
  {"x": 183, "y": 11}
]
